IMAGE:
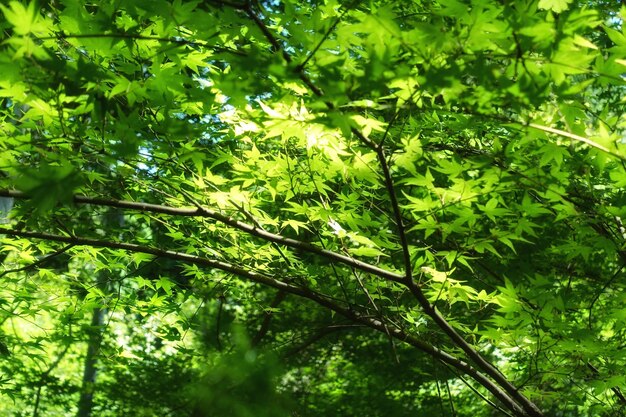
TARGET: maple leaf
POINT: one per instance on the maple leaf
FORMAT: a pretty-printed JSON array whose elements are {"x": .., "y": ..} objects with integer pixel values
[{"x": 556, "y": 6}]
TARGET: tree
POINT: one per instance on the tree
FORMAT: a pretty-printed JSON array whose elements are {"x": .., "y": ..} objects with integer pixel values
[{"x": 218, "y": 205}]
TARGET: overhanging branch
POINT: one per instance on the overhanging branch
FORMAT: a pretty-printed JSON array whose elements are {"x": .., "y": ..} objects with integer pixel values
[
  {"x": 229, "y": 221},
  {"x": 430, "y": 309},
  {"x": 263, "y": 279},
  {"x": 528, "y": 408}
]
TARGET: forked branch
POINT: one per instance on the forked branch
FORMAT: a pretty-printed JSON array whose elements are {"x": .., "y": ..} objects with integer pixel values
[
  {"x": 260, "y": 278},
  {"x": 521, "y": 406}
]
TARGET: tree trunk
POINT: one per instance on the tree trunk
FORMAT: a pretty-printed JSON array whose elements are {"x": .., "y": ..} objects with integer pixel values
[
  {"x": 112, "y": 218},
  {"x": 85, "y": 403}
]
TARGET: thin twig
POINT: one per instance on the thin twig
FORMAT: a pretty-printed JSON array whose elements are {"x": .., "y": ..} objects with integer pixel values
[
  {"x": 330, "y": 30},
  {"x": 44, "y": 374},
  {"x": 218, "y": 320},
  {"x": 485, "y": 399},
  {"x": 597, "y": 296},
  {"x": 176, "y": 41},
  {"x": 265, "y": 326},
  {"x": 38, "y": 262}
]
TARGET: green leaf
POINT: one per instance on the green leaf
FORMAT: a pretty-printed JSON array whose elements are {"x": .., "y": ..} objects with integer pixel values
[
  {"x": 21, "y": 18},
  {"x": 557, "y": 6},
  {"x": 49, "y": 185}
]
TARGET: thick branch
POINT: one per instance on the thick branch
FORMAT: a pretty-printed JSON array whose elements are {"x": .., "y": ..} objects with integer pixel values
[
  {"x": 245, "y": 227},
  {"x": 161, "y": 253},
  {"x": 288, "y": 288},
  {"x": 432, "y": 312},
  {"x": 528, "y": 406},
  {"x": 446, "y": 358}
]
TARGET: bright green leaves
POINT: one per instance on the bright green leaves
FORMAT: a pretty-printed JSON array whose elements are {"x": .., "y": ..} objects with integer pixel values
[
  {"x": 442, "y": 287},
  {"x": 557, "y": 6},
  {"x": 25, "y": 19},
  {"x": 26, "y": 24},
  {"x": 485, "y": 114},
  {"x": 289, "y": 122},
  {"x": 508, "y": 299},
  {"x": 411, "y": 151},
  {"x": 123, "y": 86}
]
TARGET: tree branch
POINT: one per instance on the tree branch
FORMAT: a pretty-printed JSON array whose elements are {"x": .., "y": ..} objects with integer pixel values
[
  {"x": 528, "y": 406},
  {"x": 430, "y": 309},
  {"x": 263, "y": 279},
  {"x": 44, "y": 375},
  {"x": 38, "y": 262},
  {"x": 278, "y": 47},
  {"x": 176, "y": 41},
  {"x": 330, "y": 30},
  {"x": 244, "y": 227},
  {"x": 320, "y": 334}
]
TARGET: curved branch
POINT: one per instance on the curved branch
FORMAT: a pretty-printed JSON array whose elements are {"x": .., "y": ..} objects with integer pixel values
[
  {"x": 528, "y": 407},
  {"x": 244, "y": 227},
  {"x": 163, "y": 253},
  {"x": 407, "y": 279},
  {"x": 432, "y": 312},
  {"x": 575, "y": 137},
  {"x": 318, "y": 335},
  {"x": 260, "y": 278}
]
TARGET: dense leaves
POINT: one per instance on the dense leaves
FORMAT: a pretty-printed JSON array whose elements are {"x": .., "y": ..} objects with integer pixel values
[{"x": 312, "y": 208}]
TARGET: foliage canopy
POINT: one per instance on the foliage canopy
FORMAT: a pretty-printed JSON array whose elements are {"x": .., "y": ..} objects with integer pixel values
[{"x": 312, "y": 208}]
